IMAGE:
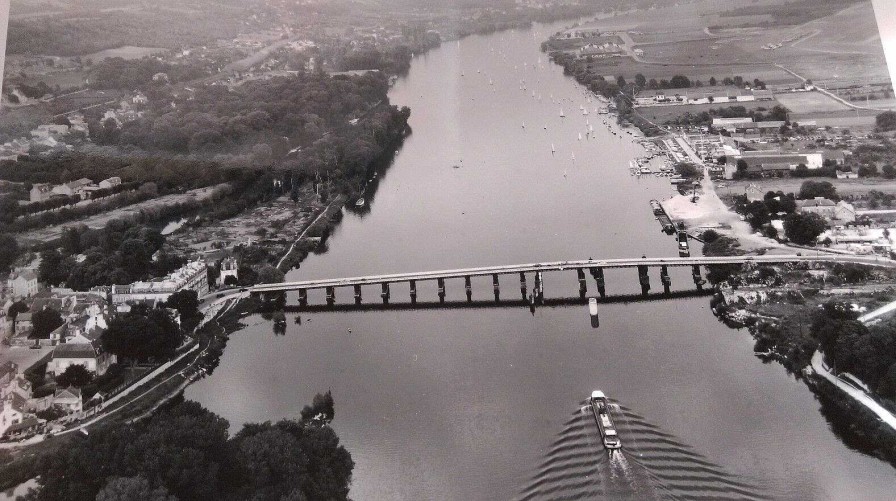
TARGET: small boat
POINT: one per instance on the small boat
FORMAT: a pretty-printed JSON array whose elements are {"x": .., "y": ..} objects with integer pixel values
[
  {"x": 360, "y": 202},
  {"x": 561, "y": 113},
  {"x": 552, "y": 148},
  {"x": 580, "y": 136}
]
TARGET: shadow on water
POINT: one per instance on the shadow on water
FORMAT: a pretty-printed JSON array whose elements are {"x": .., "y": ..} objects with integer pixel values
[
  {"x": 652, "y": 465},
  {"x": 490, "y": 303}
]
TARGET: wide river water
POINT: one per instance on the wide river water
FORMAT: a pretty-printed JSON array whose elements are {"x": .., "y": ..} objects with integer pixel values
[{"x": 483, "y": 403}]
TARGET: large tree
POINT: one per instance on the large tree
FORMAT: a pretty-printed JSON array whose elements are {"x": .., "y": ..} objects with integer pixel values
[
  {"x": 44, "y": 322},
  {"x": 142, "y": 333},
  {"x": 9, "y": 251},
  {"x": 803, "y": 229},
  {"x": 813, "y": 189},
  {"x": 74, "y": 375}
]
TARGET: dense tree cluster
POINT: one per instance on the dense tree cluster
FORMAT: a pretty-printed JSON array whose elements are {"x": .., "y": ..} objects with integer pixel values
[
  {"x": 9, "y": 251},
  {"x": 217, "y": 119},
  {"x": 719, "y": 245},
  {"x": 886, "y": 121},
  {"x": 867, "y": 352},
  {"x": 183, "y": 452},
  {"x": 760, "y": 212},
  {"x": 143, "y": 334},
  {"x": 119, "y": 253},
  {"x": 120, "y": 73}
]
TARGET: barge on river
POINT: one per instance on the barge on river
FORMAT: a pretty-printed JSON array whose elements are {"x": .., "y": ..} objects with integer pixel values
[
  {"x": 662, "y": 217},
  {"x": 601, "y": 409}
]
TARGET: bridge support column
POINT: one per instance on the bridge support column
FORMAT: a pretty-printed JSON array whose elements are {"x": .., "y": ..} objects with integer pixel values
[
  {"x": 385, "y": 294},
  {"x": 698, "y": 280},
  {"x": 357, "y": 294},
  {"x": 331, "y": 296},
  {"x": 469, "y": 288},
  {"x": 539, "y": 288},
  {"x": 496, "y": 286},
  {"x": 441, "y": 282},
  {"x": 665, "y": 279},
  {"x": 644, "y": 279},
  {"x": 413, "y": 284},
  {"x": 523, "y": 284},
  {"x": 599, "y": 279},
  {"x": 303, "y": 297},
  {"x": 583, "y": 284}
]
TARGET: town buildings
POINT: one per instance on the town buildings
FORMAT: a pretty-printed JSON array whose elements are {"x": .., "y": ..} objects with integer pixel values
[{"x": 192, "y": 276}]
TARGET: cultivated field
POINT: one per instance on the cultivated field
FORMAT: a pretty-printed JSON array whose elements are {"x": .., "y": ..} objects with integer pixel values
[{"x": 840, "y": 46}]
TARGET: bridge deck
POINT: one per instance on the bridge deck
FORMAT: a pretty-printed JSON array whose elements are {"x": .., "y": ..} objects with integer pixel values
[{"x": 559, "y": 266}]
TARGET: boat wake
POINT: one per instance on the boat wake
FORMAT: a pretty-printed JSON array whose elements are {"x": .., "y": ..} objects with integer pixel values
[{"x": 652, "y": 465}]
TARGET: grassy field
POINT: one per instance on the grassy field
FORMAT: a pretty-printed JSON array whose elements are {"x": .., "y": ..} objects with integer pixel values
[
  {"x": 792, "y": 185},
  {"x": 661, "y": 114},
  {"x": 809, "y": 102},
  {"x": 126, "y": 52}
]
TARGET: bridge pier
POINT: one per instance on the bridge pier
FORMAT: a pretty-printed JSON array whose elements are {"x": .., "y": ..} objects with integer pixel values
[
  {"x": 665, "y": 279},
  {"x": 385, "y": 293},
  {"x": 469, "y": 288},
  {"x": 523, "y": 284},
  {"x": 413, "y": 284},
  {"x": 583, "y": 284},
  {"x": 598, "y": 274},
  {"x": 539, "y": 288},
  {"x": 303, "y": 297},
  {"x": 357, "y": 294},
  {"x": 441, "y": 282},
  {"x": 698, "y": 280},
  {"x": 644, "y": 279},
  {"x": 331, "y": 296},
  {"x": 496, "y": 286}
]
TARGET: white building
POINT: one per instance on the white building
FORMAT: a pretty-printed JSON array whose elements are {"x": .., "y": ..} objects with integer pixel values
[
  {"x": 40, "y": 192},
  {"x": 192, "y": 276},
  {"x": 228, "y": 269},
  {"x": 67, "y": 354},
  {"x": 23, "y": 283},
  {"x": 110, "y": 183},
  {"x": 72, "y": 188}
]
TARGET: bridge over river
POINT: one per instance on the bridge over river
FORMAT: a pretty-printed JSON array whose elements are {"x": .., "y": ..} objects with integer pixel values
[{"x": 593, "y": 267}]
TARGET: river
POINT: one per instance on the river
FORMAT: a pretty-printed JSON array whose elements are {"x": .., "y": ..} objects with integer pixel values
[{"x": 466, "y": 403}]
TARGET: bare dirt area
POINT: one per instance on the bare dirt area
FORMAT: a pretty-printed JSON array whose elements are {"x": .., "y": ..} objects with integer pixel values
[
  {"x": 51, "y": 233},
  {"x": 275, "y": 225}
]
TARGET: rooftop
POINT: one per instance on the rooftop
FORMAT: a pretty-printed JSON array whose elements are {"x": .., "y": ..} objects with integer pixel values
[{"x": 74, "y": 350}]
